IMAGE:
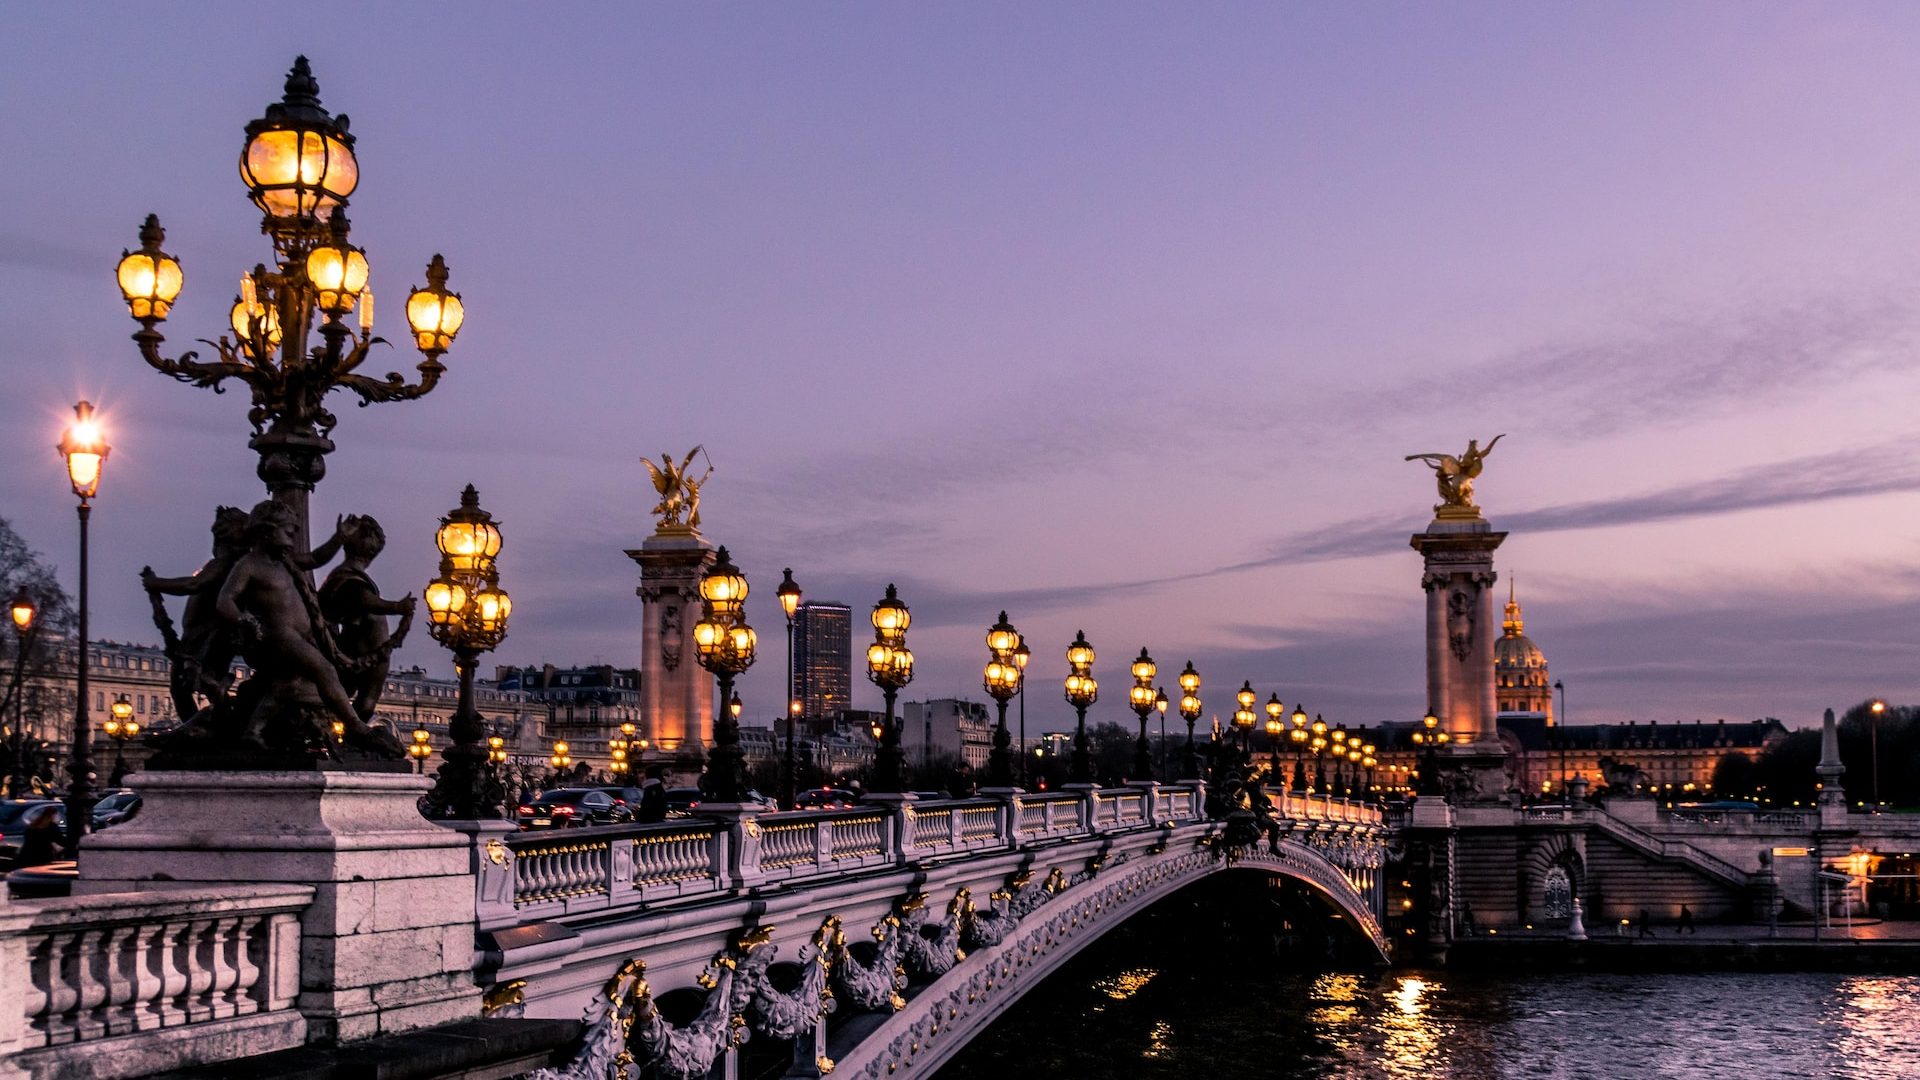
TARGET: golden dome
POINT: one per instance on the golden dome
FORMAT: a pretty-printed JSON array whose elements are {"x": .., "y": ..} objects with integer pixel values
[{"x": 1520, "y": 679}]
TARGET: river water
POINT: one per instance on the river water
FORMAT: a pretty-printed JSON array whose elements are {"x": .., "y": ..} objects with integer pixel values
[{"x": 1108, "y": 1015}]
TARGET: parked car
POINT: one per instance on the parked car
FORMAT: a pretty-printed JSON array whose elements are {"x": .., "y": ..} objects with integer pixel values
[
  {"x": 825, "y": 798},
  {"x": 115, "y": 807},
  {"x": 570, "y": 808}
]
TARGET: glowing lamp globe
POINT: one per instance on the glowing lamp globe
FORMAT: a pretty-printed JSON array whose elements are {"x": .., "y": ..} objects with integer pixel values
[
  {"x": 1144, "y": 669},
  {"x": 434, "y": 314},
  {"x": 149, "y": 279},
  {"x": 298, "y": 161},
  {"x": 338, "y": 271}
]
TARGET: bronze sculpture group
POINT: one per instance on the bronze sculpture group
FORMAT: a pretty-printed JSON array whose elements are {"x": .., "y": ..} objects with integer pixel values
[{"x": 317, "y": 658}]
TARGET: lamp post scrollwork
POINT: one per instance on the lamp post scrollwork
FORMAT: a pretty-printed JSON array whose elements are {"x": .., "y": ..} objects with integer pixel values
[{"x": 1001, "y": 679}]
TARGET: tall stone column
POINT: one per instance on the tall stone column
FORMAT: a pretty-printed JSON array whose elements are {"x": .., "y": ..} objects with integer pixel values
[
  {"x": 676, "y": 693},
  {"x": 1461, "y": 626}
]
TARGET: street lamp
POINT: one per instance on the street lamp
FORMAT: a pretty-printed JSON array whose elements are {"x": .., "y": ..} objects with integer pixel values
[
  {"x": 1081, "y": 690},
  {"x": 890, "y": 667},
  {"x": 1190, "y": 711},
  {"x": 421, "y": 749},
  {"x": 1160, "y": 704},
  {"x": 299, "y": 168},
  {"x": 789, "y": 593},
  {"x": 1021, "y": 656},
  {"x": 561, "y": 758},
  {"x": 467, "y": 612},
  {"x": 1276, "y": 724},
  {"x": 1140, "y": 699},
  {"x": 1298, "y": 735},
  {"x": 725, "y": 645},
  {"x": 1562, "y": 724},
  {"x": 1318, "y": 742},
  {"x": 1002, "y": 680},
  {"x": 85, "y": 449},
  {"x": 23, "y": 612},
  {"x": 1243, "y": 716},
  {"x": 1875, "y": 709},
  {"x": 120, "y": 726}
]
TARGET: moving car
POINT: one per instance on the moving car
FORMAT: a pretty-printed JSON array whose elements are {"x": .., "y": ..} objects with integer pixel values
[
  {"x": 825, "y": 798},
  {"x": 572, "y": 808}
]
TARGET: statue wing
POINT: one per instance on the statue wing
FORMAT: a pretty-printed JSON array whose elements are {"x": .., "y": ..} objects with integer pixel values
[
  {"x": 1489, "y": 446},
  {"x": 659, "y": 479}
]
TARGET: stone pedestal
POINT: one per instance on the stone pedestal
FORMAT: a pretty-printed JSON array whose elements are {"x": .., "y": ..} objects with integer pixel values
[
  {"x": 388, "y": 942},
  {"x": 676, "y": 692},
  {"x": 1461, "y": 628}
]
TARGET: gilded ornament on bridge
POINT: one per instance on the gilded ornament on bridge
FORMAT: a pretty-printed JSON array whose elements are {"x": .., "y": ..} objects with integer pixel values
[{"x": 1454, "y": 476}]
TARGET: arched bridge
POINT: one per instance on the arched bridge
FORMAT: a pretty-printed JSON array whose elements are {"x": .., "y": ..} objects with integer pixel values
[{"x": 871, "y": 942}]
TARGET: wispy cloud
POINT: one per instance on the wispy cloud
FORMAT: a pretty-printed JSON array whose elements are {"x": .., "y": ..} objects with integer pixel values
[
  {"x": 1882, "y": 468},
  {"x": 1680, "y": 367}
]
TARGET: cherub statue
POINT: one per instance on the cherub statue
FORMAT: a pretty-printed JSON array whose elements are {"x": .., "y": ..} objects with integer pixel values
[
  {"x": 679, "y": 493},
  {"x": 276, "y": 618},
  {"x": 358, "y": 613},
  {"x": 203, "y": 651},
  {"x": 1455, "y": 475}
]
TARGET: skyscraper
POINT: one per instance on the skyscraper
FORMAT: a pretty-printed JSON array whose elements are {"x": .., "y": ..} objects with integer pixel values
[{"x": 822, "y": 659}]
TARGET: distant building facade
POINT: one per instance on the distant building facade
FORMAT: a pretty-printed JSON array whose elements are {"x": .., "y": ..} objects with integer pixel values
[
  {"x": 822, "y": 660},
  {"x": 946, "y": 729},
  {"x": 583, "y": 706},
  {"x": 142, "y": 674}
]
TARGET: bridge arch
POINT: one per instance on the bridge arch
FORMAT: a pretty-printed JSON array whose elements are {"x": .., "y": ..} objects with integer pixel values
[{"x": 973, "y": 962}]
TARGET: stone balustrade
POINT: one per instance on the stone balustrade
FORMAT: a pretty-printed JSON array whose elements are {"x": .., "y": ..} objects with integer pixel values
[
  {"x": 125, "y": 984},
  {"x": 542, "y": 875}
]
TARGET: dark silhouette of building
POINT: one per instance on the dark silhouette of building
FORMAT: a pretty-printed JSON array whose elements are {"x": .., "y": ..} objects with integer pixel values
[{"x": 822, "y": 660}]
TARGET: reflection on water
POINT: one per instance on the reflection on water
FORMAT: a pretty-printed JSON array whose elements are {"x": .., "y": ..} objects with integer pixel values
[{"x": 1128, "y": 1021}]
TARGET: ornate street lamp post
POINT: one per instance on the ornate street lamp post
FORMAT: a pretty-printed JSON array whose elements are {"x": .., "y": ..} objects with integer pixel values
[
  {"x": 1432, "y": 738},
  {"x": 1160, "y": 704},
  {"x": 1276, "y": 724},
  {"x": 1082, "y": 690},
  {"x": 85, "y": 449},
  {"x": 562, "y": 758},
  {"x": 1021, "y": 656},
  {"x": 1190, "y": 709},
  {"x": 467, "y": 612},
  {"x": 1002, "y": 680},
  {"x": 789, "y": 593},
  {"x": 420, "y": 749},
  {"x": 23, "y": 612},
  {"x": 1243, "y": 718},
  {"x": 889, "y": 667},
  {"x": 1317, "y": 742},
  {"x": 725, "y": 644},
  {"x": 299, "y": 168},
  {"x": 1140, "y": 699},
  {"x": 120, "y": 726},
  {"x": 1298, "y": 735}
]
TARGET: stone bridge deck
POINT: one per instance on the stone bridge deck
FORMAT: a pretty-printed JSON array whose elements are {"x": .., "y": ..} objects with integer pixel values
[{"x": 913, "y": 925}]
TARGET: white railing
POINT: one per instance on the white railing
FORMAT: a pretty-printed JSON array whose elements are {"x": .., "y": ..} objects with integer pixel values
[
  {"x": 209, "y": 959},
  {"x": 585, "y": 870}
]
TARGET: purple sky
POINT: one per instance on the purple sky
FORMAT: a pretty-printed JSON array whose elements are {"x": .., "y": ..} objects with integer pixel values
[{"x": 1119, "y": 317}]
